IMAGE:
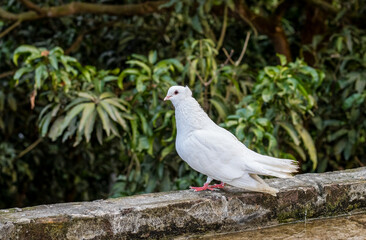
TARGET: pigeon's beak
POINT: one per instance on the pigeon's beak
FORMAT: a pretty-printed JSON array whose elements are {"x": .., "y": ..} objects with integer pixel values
[{"x": 167, "y": 98}]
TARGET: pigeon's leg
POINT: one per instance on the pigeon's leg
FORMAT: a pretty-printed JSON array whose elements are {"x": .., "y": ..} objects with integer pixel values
[
  {"x": 221, "y": 185},
  {"x": 204, "y": 187}
]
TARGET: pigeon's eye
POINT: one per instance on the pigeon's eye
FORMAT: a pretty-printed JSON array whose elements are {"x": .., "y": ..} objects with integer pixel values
[{"x": 176, "y": 92}]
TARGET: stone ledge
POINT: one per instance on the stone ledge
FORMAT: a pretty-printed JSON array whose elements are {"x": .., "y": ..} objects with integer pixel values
[{"x": 169, "y": 214}]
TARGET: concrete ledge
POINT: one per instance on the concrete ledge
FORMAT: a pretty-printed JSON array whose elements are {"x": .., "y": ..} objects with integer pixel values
[{"x": 177, "y": 213}]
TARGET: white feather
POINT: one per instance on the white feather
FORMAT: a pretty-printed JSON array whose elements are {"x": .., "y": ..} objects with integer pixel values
[{"x": 215, "y": 152}]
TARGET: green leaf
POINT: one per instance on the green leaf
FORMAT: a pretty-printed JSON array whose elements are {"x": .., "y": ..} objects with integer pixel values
[
  {"x": 141, "y": 64},
  {"x": 291, "y": 131},
  {"x": 114, "y": 129},
  {"x": 71, "y": 129},
  {"x": 246, "y": 113},
  {"x": 100, "y": 134},
  {"x": 66, "y": 60},
  {"x": 108, "y": 109},
  {"x": 71, "y": 115},
  {"x": 360, "y": 85},
  {"x": 116, "y": 102},
  {"x": 263, "y": 122},
  {"x": 53, "y": 61},
  {"x": 314, "y": 74},
  {"x": 106, "y": 95},
  {"x": 193, "y": 72},
  {"x": 54, "y": 132},
  {"x": 55, "y": 110},
  {"x": 220, "y": 107},
  {"x": 239, "y": 132},
  {"x": 124, "y": 73},
  {"x": 271, "y": 71},
  {"x": 87, "y": 95},
  {"x": 86, "y": 74},
  {"x": 267, "y": 95},
  {"x": 339, "y": 44},
  {"x": 12, "y": 102},
  {"x": 335, "y": 135},
  {"x": 25, "y": 49},
  {"x": 309, "y": 143},
  {"x": 56, "y": 51},
  {"x": 145, "y": 126},
  {"x": 258, "y": 133},
  {"x": 41, "y": 74},
  {"x": 74, "y": 102},
  {"x": 89, "y": 126},
  {"x": 153, "y": 57},
  {"x": 20, "y": 72},
  {"x": 168, "y": 62},
  {"x": 340, "y": 146},
  {"x": 299, "y": 150},
  {"x": 167, "y": 117},
  {"x": 353, "y": 100},
  {"x": 196, "y": 24},
  {"x": 45, "y": 123},
  {"x": 143, "y": 143},
  {"x": 105, "y": 120},
  {"x": 167, "y": 150},
  {"x": 140, "y": 87},
  {"x": 120, "y": 120},
  {"x": 272, "y": 141},
  {"x": 282, "y": 58},
  {"x": 44, "y": 110},
  {"x": 88, "y": 110},
  {"x": 134, "y": 133}
]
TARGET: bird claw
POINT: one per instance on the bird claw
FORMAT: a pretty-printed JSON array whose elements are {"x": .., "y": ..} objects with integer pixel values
[
  {"x": 221, "y": 185},
  {"x": 208, "y": 187},
  {"x": 198, "y": 189}
]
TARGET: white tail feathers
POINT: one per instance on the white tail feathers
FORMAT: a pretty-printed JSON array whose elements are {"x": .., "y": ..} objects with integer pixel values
[
  {"x": 264, "y": 165},
  {"x": 253, "y": 182},
  {"x": 270, "y": 166},
  {"x": 271, "y": 190}
]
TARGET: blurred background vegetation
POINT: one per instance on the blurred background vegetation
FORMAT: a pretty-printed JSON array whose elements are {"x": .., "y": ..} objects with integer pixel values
[{"x": 82, "y": 84}]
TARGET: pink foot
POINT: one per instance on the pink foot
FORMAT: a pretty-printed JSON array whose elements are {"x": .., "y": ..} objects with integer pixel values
[
  {"x": 204, "y": 187},
  {"x": 221, "y": 185},
  {"x": 208, "y": 187}
]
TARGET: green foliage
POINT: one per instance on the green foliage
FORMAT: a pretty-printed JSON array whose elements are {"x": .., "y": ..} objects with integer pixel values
[
  {"x": 75, "y": 110},
  {"x": 91, "y": 123},
  {"x": 340, "y": 121},
  {"x": 281, "y": 100},
  {"x": 91, "y": 105},
  {"x": 52, "y": 66}
]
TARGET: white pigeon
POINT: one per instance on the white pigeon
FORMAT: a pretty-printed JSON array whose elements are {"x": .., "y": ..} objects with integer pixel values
[{"x": 218, "y": 154}]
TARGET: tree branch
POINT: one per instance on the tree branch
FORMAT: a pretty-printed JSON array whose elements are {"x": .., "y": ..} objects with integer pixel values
[
  {"x": 32, "y": 6},
  {"x": 223, "y": 30},
  {"x": 76, "y": 8},
  {"x": 246, "y": 15},
  {"x": 7, "y": 74},
  {"x": 324, "y": 5},
  {"x": 243, "y": 50},
  {"x": 29, "y": 148},
  {"x": 75, "y": 45},
  {"x": 9, "y": 29},
  {"x": 269, "y": 26}
]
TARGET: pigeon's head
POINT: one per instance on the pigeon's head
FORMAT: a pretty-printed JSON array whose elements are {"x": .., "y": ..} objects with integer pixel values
[{"x": 177, "y": 94}]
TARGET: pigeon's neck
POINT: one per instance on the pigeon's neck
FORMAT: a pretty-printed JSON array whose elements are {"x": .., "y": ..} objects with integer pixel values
[{"x": 190, "y": 116}]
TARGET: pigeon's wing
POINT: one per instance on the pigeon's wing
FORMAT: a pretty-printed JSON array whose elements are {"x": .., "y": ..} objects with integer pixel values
[{"x": 213, "y": 152}]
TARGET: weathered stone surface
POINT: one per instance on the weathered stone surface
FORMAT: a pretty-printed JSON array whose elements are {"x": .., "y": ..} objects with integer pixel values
[
  {"x": 335, "y": 228},
  {"x": 177, "y": 213}
]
